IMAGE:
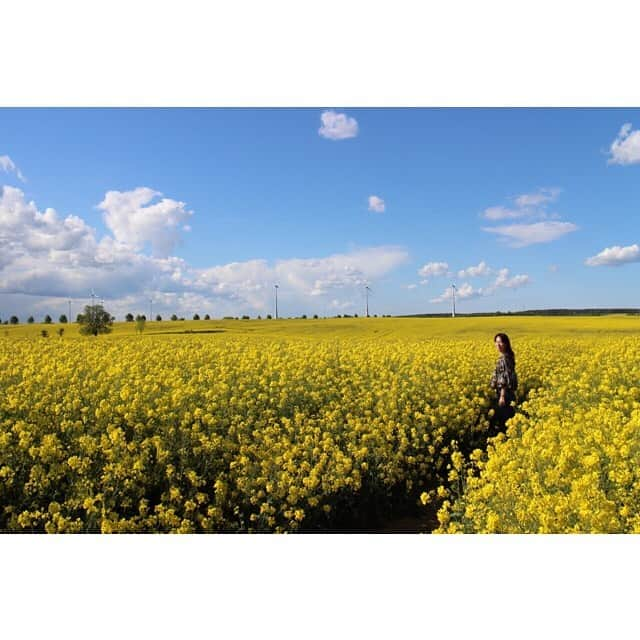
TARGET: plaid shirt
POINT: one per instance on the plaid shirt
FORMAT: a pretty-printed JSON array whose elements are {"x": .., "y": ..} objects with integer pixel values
[{"x": 504, "y": 375}]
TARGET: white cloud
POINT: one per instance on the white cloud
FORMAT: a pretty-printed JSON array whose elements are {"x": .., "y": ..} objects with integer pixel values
[
  {"x": 541, "y": 197},
  {"x": 502, "y": 213},
  {"x": 463, "y": 292},
  {"x": 341, "y": 304},
  {"x": 410, "y": 286},
  {"x": 615, "y": 256},
  {"x": 24, "y": 230},
  {"x": 433, "y": 269},
  {"x": 133, "y": 220},
  {"x": 376, "y": 204},
  {"x": 319, "y": 276},
  {"x": 337, "y": 126},
  {"x": 553, "y": 268},
  {"x": 625, "y": 149},
  {"x": 503, "y": 281},
  {"x": 482, "y": 269},
  {"x": 8, "y": 166},
  {"x": 522, "y": 235},
  {"x": 528, "y": 205},
  {"x": 43, "y": 254}
]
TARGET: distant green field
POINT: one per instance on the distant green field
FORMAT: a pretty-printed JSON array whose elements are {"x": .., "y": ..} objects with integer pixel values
[{"x": 410, "y": 328}]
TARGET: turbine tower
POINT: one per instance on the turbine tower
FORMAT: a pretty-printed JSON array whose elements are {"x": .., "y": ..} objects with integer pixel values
[
  {"x": 453, "y": 300},
  {"x": 275, "y": 286},
  {"x": 367, "y": 289}
]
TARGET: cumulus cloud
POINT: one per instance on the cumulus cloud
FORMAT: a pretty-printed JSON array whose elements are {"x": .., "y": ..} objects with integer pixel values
[
  {"x": 25, "y": 230},
  {"x": 45, "y": 254},
  {"x": 431, "y": 269},
  {"x": 134, "y": 220},
  {"x": 337, "y": 126},
  {"x": 9, "y": 166},
  {"x": 625, "y": 149},
  {"x": 615, "y": 256},
  {"x": 522, "y": 235},
  {"x": 464, "y": 292},
  {"x": 502, "y": 281},
  {"x": 376, "y": 204},
  {"x": 482, "y": 269}
]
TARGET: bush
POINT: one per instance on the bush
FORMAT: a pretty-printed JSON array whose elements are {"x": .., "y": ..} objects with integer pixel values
[
  {"x": 30, "y": 320},
  {"x": 14, "y": 320},
  {"x": 207, "y": 317},
  {"x": 129, "y": 317},
  {"x": 196, "y": 316},
  {"x": 63, "y": 319},
  {"x": 60, "y": 331},
  {"x": 47, "y": 319},
  {"x": 174, "y": 317},
  {"x": 158, "y": 318},
  {"x": 44, "y": 333}
]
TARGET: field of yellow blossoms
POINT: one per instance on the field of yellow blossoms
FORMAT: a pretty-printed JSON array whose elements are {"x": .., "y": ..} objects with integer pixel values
[{"x": 307, "y": 424}]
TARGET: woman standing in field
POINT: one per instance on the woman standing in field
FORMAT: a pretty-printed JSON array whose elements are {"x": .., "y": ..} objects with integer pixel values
[{"x": 504, "y": 380}]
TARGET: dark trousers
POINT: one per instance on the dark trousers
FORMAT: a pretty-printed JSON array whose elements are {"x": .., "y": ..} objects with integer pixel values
[{"x": 502, "y": 414}]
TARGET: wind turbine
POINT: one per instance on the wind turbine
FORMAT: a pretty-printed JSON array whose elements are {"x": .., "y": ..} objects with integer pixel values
[
  {"x": 275, "y": 286},
  {"x": 367, "y": 289},
  {"x": 453, "y": 300}
]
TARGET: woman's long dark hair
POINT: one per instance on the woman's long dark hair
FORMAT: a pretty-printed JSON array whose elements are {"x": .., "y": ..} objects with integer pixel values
[{"x": 508, "y": 350}]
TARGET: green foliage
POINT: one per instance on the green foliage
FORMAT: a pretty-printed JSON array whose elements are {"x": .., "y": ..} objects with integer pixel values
[
  {"x": 48, "y": 319},
  {"x": 63, "y": 319},
  {"x": 30, "y": 320},
  {"x": 140, "y": 323},
  {"x": 14, "y": 320},
  {"x": 129, "y": 317},
  {"x": 94, "y": 320}
]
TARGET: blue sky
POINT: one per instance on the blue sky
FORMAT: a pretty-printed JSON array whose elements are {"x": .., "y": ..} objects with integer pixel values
[{"x": 204, "y": 210}]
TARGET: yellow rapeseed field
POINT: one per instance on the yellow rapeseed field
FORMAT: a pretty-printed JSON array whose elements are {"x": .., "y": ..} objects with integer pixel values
[{"x": 294, "y": 424}]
